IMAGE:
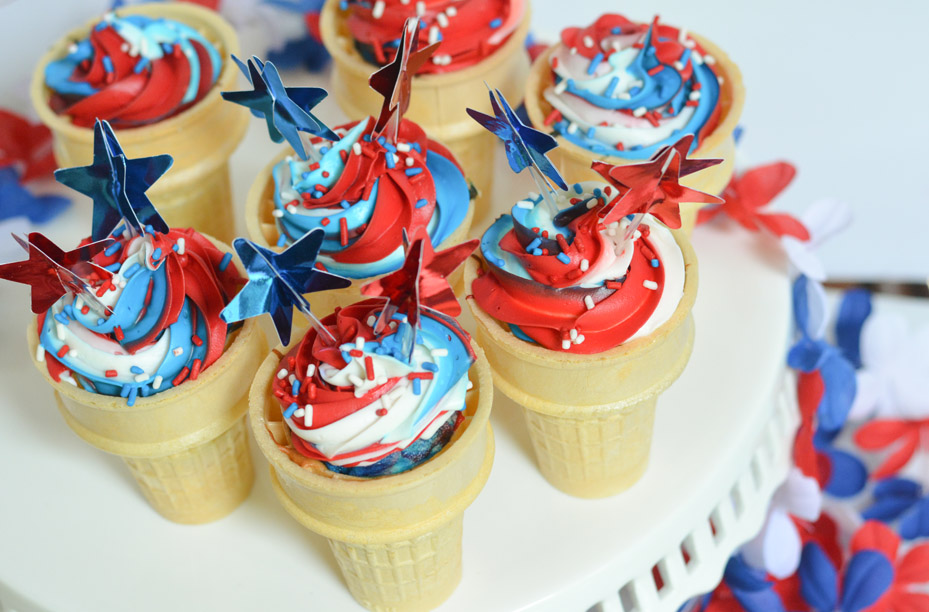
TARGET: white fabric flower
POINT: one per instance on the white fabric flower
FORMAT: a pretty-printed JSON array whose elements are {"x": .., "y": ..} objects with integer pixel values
[{"x": 823, "y": 219}]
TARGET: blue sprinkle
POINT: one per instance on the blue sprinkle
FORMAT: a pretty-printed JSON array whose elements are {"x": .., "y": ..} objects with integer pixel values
[
  {"x": 346, "y": 357},
  {"x": 594, "y": 63},
  {"x": 563, "y": 258},
  {"x": 591, "y": 131},
  {"x": 113, "y": 248},
  {"x": 366, "y": 137},
  {"x": 578, "y": 188},
  {"x": 124, "y": 392},
  {"x": 685, "y": 56},
  {"x": 534, "y": 244},
  {"x": 496, "y": 23},
  {"x": 344, "y": 204},
  {"x": 62, "y": 319},
  {"x": 156, "y": 254},
  {"x": 100, "y": 26},
  {"x": 323, "y": 150},
  {"x": 119, "y": 230},
  {"x": 295, "y": 388},
  {"x": 133, "y": 393},
  {"x": 430, "y": 367},
  {"x": 140, "y": 65},
  {"x": 317, "y": 194},
  {"x": 422, "y": 24},
  {"x": 537, "y": 252},
  {"x": 167, "y": 47},
  {"x": 614, "y": 82},
  {"x": 421, "y": 202},
  {"x": 224, "y": 263},
  {"x": 598, "y": 193},
  {"x": 497, "y": 261},
  {"x": 616, "y": 31},
  {"x": 290, "y": 410},
  {"x": 149, "y": 229},
  {"x": 108, "y": 63},
  {"x": 438, "y": 36},
  {"x": 394, "y": 43},
  {"x": 655, "y": 263},
  {"x": 413, "y": 171},
  {"x": 343, "y": 5},
  {"x": 282, "y": 240},
  {"x": 390, "y": 161},
  {"x": 114, "y": 267},
  {"x": 175, "y": 248},
  {"x": 133, "y": 269},
  {"x": 389, "y": 147},
  {"x": 415, "y": 145},
  {"x": 381, "y": 140},
  {"x": 69, "y": 312},
  {"x": 635, "y": 91},
  {"x": 417, "y": 387},
  {"x": 306, "y": 175},
  {"x": 136, "y": 370},
  {"x": 101, "y": 321}
]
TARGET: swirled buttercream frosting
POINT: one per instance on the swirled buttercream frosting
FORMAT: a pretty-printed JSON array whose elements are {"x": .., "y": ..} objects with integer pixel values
[
  {"x": 570, "y": 282},
  {"x": 132, "y": 70},
  {"x": 628, "y": 89},
  {"x": 364, "y": 191}
]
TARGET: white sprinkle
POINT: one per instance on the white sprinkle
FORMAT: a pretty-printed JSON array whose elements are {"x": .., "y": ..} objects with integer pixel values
[
  {"x": 66, "y": 376},
  {"x": 40, "y": 353},
  {"x": 623, "y": 95},
  {"x": 371, "y": 321},
  {"x": 650, "y": 285},
  {"x": 442, "y": 19},
  {"x": 439, "y": 352},
  {"x": 156, "y": 384},
  {"x": 694, "y": 95},
  {"x": 356, "y": 148},
  {"x": 60, "y": 331},
  {"x": 697, "y": 58},
  {"x": 451, "y": 11},
  {"x": 299, "y": 412},
  {"x": 308, "y": 415},
  {"x": 395, "y": 158},
  {"x": 573, "y": 334},
  {"x": 589, "y": 302},
  {"x": 277, "y": 212},
  {"x": 72, "y": 354},
  {"x": 573, "y": 50},
  {"x": 378, "y": 11},
  {"x": 403, "y": 147},
  {"x": 291, "y": 379},
  {"x": 409, "y": 161},
  {"x": 433, "y": 34},
  {"x": 525, "y": 204},
  {"x": 709, "y": 59},
  {"x": 580, "y": 339},
  {"x": 124, "y": 47},
  {"x": 360, "y": 343},
  {"x": 572, "y": 128},
  {"x": 639, "y": 112},
  {"x": 78, "y": 303},
  {"x": 292, "y": 209},
  {"x": 721, "y": 80},
  {"x": 533, "y": 196},
  {"x": 178, "y": 352},
  {"x": 420, "y": 8},
  {"x": 591, "y": 203},
  {"x": 690, "y": 43},
  {"x": 355, "y": 380},
  {"x": 310, "y": 370},
  {"x": 180, "y": 246},
  {"x": 678, "y": 65},
  {"x": 561, "y": 86},
  {"x": 470, "y": 385},
  {"x": 588, "y": 41},
  {"x": 404, "y": 1},
  {"x": 141, "y": 378},
  {"x": 281, "y": 374},
  {"x": 565, "y": 344},
  {"x": 584, "y": 265},
  {"x": 637, "y": 235},
  {"x": 121, "y": 283},
  {"x": 72, "y": 48},
  {"x": 617, "y": 46}
]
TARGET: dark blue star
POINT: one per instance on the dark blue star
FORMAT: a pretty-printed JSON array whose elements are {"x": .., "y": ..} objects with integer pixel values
[
  {"x": 117, "y": 185},
  {"x": 277, "y": 281},
  {"x": 286, "y": 110},
  {"x": 525, "y": 147}
]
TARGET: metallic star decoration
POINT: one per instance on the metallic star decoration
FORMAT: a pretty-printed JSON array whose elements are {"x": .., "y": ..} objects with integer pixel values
[
  {"x": 525, "y": 147},
  {"x": 277, "y": 282},
  {"x": 286, "y": 110},
  {"x": 653, "y": 187},
  {"x": 394, "y": 81},
  {"x": 117, "y": 185},
  {"x": 52, "y": 272}
]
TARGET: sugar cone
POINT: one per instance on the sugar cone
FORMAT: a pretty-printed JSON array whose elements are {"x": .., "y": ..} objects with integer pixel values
[
  {"x": 187, "y": 447},
  {"x": 195, "y": 192},
  {"x": 438, "y": 101},
  {"x": 397, "y": 539},
  {"x": 261, "y": 228},
  {"x": 590, "y": 416},
  {"x": 574, "y": 161}
]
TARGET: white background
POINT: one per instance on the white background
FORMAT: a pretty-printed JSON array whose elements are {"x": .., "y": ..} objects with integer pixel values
[{"x": 838, "y": 88}]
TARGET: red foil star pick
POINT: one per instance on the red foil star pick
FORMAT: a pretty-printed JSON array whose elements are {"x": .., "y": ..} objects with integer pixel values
[
  {"x": 395, "y": 80},
  {"x": 751, "y": 191},
  {"x": 422, "y": 280},
  {"x": 52, "y": 272},
  {"x": 654, "y": 187},
  {"x": 26, "y": 144}
]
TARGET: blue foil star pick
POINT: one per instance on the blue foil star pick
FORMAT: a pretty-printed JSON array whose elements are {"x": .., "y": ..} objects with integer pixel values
[
  {"x": 277, "y": 282},
  {"x": 117, "y": 185},
  {"x": 525, "y": 147},
  {"x": 286, "y": 110}
]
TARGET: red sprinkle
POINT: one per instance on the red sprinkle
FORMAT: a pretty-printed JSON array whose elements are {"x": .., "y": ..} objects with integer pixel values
[
  {"x": 553, "y": 116},
  {"x": 314, "y": 166},
  {"x": 195, "y": 369},
  {"x": 355, "y": 353},
  {"x": 343, "y": 231},
  {"x": 381, "y": 412},
  {"x": 544, "y": 233},
  {"x": 554, "y": 62},
  {"x": 85, "y": 309},
  {"x": 344, "y": 155},
  {"x": 321, "y": 188},
  {"x": 613, "y": 284},
  {"x": 118, "y": 332},
  {"x": 180, "y": 376},
  {"x": 324, "y": 221},
  {"x": 421, "y": 375},
  {"x": 655, "y": 70},
  {"x": 692, "y": 103},
  {"x": 369, "y": 367},
  {"x": 63, "y": 351},
  {"x": 607, "y": 190},
  {"x": 196, "y": 340},
  {"x": 110, "y": 373},
  {"x": 320, "y": 266},
  {"x": 561, "y": 242},
  {"x": 620, "y": 147},
  {"x": 326, "y": 173},
  {"x": 536, "y": 230}
]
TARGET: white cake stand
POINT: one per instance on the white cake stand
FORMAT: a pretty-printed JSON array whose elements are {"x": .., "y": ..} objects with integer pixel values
[{"x": 76, "y": 535}]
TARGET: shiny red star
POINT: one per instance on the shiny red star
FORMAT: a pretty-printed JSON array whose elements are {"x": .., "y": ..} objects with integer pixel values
[
  {"x": 26, "y": 144},
  {"x": 395, "y": 80},
  {"x": 52, "y": 272},
  {"x": 422, "y": 280},
  {"x": 653, "y": 186},
  {"x": 748, "y": 193}
]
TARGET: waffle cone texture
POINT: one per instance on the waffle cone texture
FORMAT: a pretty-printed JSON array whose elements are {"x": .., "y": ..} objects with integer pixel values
[
  {"x": 438, "y": 101},
  {"x": 195, "y": 192},
  {"x": 574, "y": 161},
  {"x": 590, "y": 417},
  {"x": 187, "y": 447},
  {"x": 397, "y": 539},
  {"x": 261, "y": 229}
]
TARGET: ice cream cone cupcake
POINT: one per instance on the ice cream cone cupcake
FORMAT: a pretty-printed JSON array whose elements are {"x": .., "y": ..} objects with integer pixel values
[
  {"x": 619, "y": 91},
  {"x": 128, "y": 333},
  {"x": 375, "y": 422},
  {"x": 155, "y": 71},
  {"x": 582, "y": 301},
  {"x": 363, "y": 184},
  {"x": 478, "y": 41}
]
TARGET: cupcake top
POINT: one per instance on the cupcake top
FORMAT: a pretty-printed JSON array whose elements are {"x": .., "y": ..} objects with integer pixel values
[
  {"x": 467, "y": 30},
  {"x": 362, "y": 406},
  {"x": 133, "y": 70},
  {"x": 570, "y": 282},
  {"x": 628, "y": 89},
  {"x": 162, "y": 295},
  {"x": 364, "y": 191}
]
